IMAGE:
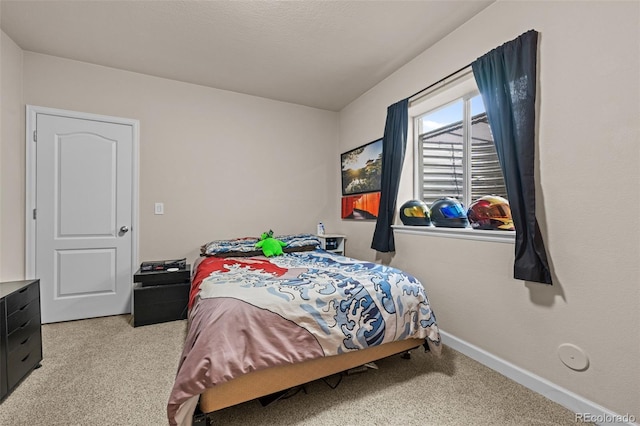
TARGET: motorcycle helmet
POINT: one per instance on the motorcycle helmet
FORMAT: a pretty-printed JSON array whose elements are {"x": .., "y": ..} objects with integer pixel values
[
  {"x": 448, "y": 212},
  {"x": 415, "y": 213},
  {"x": 490, "y": 212}
]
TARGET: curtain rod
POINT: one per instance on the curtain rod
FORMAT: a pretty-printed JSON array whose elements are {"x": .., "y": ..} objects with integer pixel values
[
  {"x": 454, "y": 73},
  {"x": 438, "y": 82}
]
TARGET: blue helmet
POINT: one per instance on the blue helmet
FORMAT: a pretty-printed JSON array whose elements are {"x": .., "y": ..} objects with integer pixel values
[{"x": 448, "y": 212}]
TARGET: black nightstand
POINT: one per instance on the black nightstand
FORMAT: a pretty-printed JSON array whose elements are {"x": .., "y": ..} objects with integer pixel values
[{"x": 160, "y": 296}]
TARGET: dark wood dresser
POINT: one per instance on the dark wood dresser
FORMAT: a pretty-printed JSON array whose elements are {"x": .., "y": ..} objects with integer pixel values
[{"x": 20, "y": 332}]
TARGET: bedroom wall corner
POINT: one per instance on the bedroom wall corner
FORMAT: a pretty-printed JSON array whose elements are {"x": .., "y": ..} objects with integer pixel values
[{"x": 12, "y": 161}]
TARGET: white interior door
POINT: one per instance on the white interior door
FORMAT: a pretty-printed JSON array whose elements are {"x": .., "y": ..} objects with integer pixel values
[{"x": 84, "y": 216}]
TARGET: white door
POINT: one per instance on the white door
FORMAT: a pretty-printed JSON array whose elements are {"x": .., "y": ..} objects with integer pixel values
[{"x": 84, "y": 185}]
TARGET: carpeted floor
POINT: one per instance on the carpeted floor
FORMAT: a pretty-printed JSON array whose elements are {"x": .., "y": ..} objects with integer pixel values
[{"x": 103, "y": 371}]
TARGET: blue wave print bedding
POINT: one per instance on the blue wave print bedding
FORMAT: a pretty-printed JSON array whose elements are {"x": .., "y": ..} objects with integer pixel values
[{"x": 346, "y": 304}]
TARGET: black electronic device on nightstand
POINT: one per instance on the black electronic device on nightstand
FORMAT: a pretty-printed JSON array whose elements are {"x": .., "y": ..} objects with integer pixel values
[
  {"x": 155, "y": 277},
  {"x": 160, "y": 295},
  {"x": 331, "y": 244}
]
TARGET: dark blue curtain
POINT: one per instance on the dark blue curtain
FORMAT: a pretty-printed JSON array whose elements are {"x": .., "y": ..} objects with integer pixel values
[
  {"x": 506, "y": 77},
  {"x": 394, "y": 144}
]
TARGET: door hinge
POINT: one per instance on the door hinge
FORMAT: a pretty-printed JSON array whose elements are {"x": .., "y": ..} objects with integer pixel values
[
  {"x": 34, "y": 214},
  {"x": 35, "y": 136}
]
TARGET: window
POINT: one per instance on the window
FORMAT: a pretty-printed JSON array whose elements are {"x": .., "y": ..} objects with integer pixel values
[{"x": 455, "y": 154}]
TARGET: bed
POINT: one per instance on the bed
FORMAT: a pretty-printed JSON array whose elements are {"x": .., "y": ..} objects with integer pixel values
[{"x": 258, "y": 325}]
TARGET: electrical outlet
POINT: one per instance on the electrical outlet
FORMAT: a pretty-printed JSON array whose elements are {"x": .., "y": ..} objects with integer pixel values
[{"x": 159, "y": 208}]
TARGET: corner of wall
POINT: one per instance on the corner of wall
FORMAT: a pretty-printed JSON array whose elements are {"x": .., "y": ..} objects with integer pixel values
[{"x": 12, "y": 160}]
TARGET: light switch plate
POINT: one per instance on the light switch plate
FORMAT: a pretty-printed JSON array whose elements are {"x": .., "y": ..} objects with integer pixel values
[{"x": 159, "y": 208}]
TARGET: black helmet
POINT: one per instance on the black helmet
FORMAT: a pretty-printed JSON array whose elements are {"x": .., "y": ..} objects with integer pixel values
[
  {"x": 448, "y": 213},
  {"x": 490, "y": 212},
  {"x": 415, "y": 213}
]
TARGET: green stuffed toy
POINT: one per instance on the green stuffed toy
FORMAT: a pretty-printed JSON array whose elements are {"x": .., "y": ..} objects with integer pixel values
[{"x": 270, "y": 246}]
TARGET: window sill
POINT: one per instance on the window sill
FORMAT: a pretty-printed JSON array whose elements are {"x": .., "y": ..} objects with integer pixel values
[{"x": 463, "y": 233}]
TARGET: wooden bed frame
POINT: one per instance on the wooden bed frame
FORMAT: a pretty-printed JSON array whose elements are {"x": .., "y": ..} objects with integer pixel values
[{"x": 271, "y": 380}]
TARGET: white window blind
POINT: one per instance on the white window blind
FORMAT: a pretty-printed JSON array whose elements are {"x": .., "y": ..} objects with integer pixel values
[{"x": 445, "y": 170}]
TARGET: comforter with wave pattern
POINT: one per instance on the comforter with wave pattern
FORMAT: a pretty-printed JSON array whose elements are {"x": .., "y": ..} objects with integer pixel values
[{"x": 250, "y": 313}]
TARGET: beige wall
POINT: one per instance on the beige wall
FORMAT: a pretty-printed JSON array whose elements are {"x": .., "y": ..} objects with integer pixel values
[
  {"x": 588, "y": 200},
  {"x": 227, "y": 164},
  {"x": 224, "y": 164},
  {"x": 11, "y": 162}
]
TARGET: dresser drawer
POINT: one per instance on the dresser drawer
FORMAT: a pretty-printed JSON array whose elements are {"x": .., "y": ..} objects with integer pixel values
[
  {"x": 21, "y": 298},
  {"x": 22, "y": 315},
  {"x": 20, "y": 332},
  {"x": 21, "y": 335},
  {"x": 23, "y": 359}
]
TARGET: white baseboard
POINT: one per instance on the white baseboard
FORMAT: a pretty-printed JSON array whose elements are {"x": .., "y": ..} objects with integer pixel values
[{"x": 596, "y": 413}]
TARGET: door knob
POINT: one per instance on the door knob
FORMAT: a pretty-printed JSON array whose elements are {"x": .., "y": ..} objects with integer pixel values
[{"x": 124, "y": 229}]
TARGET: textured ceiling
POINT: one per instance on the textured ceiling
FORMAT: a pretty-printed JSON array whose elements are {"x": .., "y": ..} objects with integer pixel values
[{"x": 322, "y": 54}]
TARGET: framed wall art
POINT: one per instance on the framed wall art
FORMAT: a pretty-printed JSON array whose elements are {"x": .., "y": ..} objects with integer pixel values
[
  {"x": 361, "y": 206},
  {"x": 362, "y": 169}
]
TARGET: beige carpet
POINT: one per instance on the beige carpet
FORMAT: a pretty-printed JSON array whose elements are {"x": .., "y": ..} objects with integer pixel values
[{"x": 103, "y": 371}]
